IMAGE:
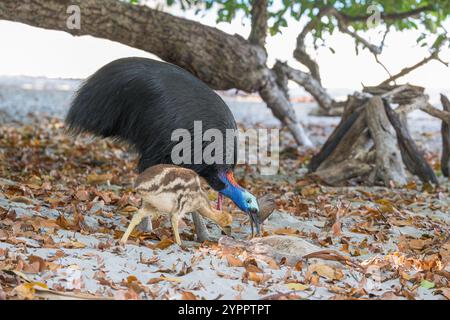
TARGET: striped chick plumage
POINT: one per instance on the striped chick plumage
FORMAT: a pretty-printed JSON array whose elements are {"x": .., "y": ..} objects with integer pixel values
[{"x": 173, "y": 191}]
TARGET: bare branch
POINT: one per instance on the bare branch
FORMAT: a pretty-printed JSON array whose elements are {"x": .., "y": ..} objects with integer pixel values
[
  {"x": 343, "y": 21},
  {"x": 433, "y": 56},
  {"x": 432, "y": 111},
  {"x": 418, "y": 103},
  {"x": 310, "y": 84},
  {"x": 300, "y": 51},
  {"x": 259, "y": 23},
  {"x": 343, "y": 26}
]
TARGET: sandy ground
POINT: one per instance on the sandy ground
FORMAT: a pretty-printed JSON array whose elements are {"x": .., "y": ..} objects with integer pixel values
[{"x": 351, "y": 221}]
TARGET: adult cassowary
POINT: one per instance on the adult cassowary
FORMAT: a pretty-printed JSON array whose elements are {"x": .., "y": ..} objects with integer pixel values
[{"x": 142, "y": 102}]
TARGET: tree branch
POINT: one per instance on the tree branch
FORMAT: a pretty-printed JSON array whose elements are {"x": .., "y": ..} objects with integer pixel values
[
  {"x": 310, "y": 84},
  {"x": 343, "y": 26},
  {"x": 259, "y": 23},
  {"x": 277, "y": 101},
  {"x": 343, "y": 21},
  {"x": 432, "y": 111},
  {"x": 221, "y": 60},
  {"x": 433, "y": 56},
  {"x": 300, "y": 51}
]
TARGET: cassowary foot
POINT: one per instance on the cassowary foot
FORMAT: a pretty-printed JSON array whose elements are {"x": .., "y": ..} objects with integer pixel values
[{"x": 200, "y": 228}]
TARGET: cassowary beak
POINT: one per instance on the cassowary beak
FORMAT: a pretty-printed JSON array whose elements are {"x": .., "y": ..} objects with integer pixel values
[{"x": 254, "y": 220}]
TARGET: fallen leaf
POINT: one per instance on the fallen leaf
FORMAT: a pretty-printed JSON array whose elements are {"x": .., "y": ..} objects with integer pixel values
[
  {"x": 325, "y": 271},
  {"x": 164, "y": 244},
  {"x": 186, "y": 295},
  {"x": 82, "y": 195},
  {"x": 445, "y": 292},
  {"x": 233, "y": 261},
  {"x": 427, "y": 284},
  {"x": 98, "y": 178},
  {"x": 22, "y": 199},
  {"x": 297, "y": 286}
]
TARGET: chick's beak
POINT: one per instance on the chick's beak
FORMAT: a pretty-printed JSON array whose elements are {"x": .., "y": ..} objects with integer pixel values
[{"x": 255, "y": 220}]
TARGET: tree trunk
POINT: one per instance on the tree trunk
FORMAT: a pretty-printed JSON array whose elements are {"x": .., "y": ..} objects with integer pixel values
[
  {"x": 445, "y": 129},
  {"x": 389, "y": 165},
  {"x": 221, "y": 60}
]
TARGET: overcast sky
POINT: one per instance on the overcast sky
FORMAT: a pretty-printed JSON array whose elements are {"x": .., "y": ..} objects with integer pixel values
[{"x": 31, "y": 51}]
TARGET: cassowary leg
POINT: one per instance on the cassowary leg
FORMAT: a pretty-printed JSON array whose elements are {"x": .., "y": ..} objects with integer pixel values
[
  {"x": 219, "y": 201},
  {"x": 176, "y": 234},
  {"x": 200, "y": 227},
  {"x": 146, "y": 225}
]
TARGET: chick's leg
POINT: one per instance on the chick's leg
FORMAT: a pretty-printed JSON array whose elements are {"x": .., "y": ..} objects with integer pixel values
[
  {"x": 137, "y": 218},
  {"x": 174, "y": 220}
]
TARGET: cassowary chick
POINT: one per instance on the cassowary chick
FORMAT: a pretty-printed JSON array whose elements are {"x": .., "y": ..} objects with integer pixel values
[{"x": 173, "y": 191}]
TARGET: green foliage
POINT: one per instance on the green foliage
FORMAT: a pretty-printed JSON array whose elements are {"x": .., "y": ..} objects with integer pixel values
[
  {"x": 358, "y": 12},
  {"x": 279, "y": 10}
]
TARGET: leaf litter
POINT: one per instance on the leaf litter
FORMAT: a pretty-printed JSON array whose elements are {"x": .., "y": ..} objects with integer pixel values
[{"x": 64, "y": 203}]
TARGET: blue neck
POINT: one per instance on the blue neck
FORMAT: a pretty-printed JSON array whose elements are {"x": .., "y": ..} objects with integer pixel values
[{"x": 232, "y": 190}]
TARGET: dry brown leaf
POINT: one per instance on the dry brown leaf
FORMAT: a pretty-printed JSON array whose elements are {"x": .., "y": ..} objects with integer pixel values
[
  {"x": 82, "y": 195},
  {"x": 27, "y": 290},
  {"x": 41, "y": 262},
  {"x": 253, "y": 276},
  {"x": 186, "y": 295},
  {"x": 445, "y": 292},
  {"x": 286, "y": 231},
  {"x": 159, "y": 279},
  {"x": 233, "y": 261},
  {"x": 419, "y": 244},
  {"x": 98, "y": 178},
  {"x": 73, "y": 245},
  {"x": 129, "y": 209},
  {"x": 22, "y": 199},
  {"x": 164, "y": 244},
  {"x": 297, "y": 286},
  {"x": 336, "y": 229},
  {"x": 325, "y": 271}
]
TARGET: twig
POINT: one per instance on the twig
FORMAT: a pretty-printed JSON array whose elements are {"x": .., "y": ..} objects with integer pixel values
[
  {"x": 334, "y": 256},
  {"x": 433, "y": 56}
]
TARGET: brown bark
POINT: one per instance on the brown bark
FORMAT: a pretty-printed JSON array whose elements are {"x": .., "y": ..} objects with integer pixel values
[
  {"x": 259, "y": 23},
  {"x": 445, "y": 130},
  {"x": 343, "y": 171},
  {"x": 309, "y": 83},
  {"x": 277, "y": 101},
  {"x": 333, "y": 141},
  {"x": 221, "y": 60},
  {"x": 389, "y": 165},
  {"x": 411, "y": 155}
]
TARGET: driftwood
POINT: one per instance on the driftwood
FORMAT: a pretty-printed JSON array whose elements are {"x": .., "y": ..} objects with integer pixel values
[
  {"x": 333, "y": 141},
  {"x": 445, "y": 130},
  {"x": 412, "y": 157},
  {"x": 389, "y": 166},
  {"x": 372, "y": 143}
]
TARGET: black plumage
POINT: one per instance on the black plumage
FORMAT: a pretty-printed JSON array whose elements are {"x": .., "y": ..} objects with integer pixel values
[{"x": 142, "y": 101}]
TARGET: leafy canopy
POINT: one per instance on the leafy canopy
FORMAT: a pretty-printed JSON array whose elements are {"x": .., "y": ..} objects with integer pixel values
[{"x": 432, "y": 19}]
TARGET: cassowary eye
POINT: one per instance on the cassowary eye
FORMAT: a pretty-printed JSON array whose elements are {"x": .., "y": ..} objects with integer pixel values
[{"x": 249, "y": 201}]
